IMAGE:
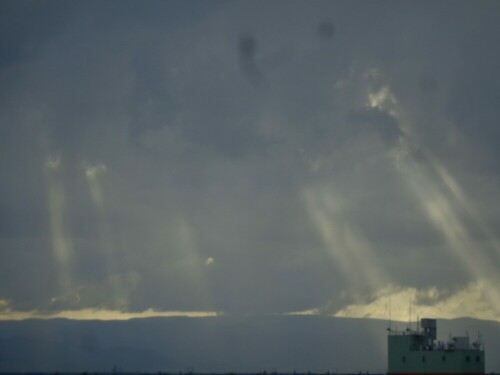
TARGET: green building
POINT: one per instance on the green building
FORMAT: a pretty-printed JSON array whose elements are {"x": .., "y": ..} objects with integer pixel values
[{"x": 418, "y": 352}]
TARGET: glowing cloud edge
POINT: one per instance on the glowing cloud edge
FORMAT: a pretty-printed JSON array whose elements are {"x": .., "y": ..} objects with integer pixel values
[{"x": 98, "y": 314}]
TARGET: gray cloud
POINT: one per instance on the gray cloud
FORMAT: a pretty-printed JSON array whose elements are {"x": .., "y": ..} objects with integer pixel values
[
  {"x": 201, "y": 165},
  {"x": 326, "y": 29},
  {"x": 247, "y": 55},
  {"x": 377, "y": 121}
]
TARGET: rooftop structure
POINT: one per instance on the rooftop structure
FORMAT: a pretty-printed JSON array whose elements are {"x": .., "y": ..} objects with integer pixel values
[{"x": 419, "y": 352}]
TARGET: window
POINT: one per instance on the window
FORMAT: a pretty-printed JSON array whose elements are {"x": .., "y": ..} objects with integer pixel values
[
  {"x": 467, "y": 359},
  {"x": 423, "y": 358},
  {"x": 404, "y": 359},
  {"x": 444, "y": 358},
  {"x": 478, "y": 359}
]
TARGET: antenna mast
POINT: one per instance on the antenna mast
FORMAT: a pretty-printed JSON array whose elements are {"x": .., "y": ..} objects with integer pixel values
[
  {"x": 390, "y": 321},
  {"x": 409, "y": 322}
]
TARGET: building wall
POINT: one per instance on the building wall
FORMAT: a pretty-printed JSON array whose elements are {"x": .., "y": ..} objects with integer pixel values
[{"x": 403, "y": 360}]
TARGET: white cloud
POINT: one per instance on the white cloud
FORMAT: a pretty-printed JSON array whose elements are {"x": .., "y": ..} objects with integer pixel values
[
  {"x": 432, "y": 302},
  {"x": 209, "y": 261}
]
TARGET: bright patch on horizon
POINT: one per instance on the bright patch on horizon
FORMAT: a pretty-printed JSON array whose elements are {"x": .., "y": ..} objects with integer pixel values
[
  {"x": 468, "y": 302},
  {"x": 305, "y": 312},
  {"x": 6, "y": 313}
]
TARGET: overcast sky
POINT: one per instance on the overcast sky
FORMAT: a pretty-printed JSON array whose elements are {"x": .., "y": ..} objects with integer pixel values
[{"x": 250, "y": 157}]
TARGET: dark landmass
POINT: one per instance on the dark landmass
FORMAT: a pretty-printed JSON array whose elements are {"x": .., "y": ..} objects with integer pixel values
[{"x": 221, "y": 345}]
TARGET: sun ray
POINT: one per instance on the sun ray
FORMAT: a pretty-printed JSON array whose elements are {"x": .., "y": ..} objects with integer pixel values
[
  {"x": 94, "y": 175},
  {"x": 467, "y": 302},
  {"x": 460, "y": 196},
  {"x": 62, "y": 245},
  {"x": 194, "y": 262},
  {"x": 442, "y": 199},
  {"x": 438, "y": 206},
  {"x": 344, "y": 243}
]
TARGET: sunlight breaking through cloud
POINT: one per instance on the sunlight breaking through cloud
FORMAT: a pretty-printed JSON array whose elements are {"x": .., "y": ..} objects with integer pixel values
[
  {"x": 441, "y": 212},
  {"x": 6, "y": 314},
  {"x": 441, "y": 197},
  {"x": 62, "y": 244},
  {"x": 194, "y": 264},
  {"x": 165, "y": 171},
  {"x": 343, "y": 242},
  {"x": 472, "y": 301},
  {"x": 383, "y": 100},
  {"x": 93, "y": 173},
  {"x": 459, "y": 195}
]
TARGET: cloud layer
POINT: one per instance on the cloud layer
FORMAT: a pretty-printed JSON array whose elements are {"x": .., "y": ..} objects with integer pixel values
[{"x": 248, "y": 157}]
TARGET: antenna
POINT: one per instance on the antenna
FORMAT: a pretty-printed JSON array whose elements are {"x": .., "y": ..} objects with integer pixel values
[
  {"x": 409, "y": 319},
  {"x": 387, "y": 312},
  {"x": 390, "y": 321}
]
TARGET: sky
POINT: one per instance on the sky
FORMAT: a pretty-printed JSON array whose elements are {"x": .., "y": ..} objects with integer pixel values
[{"x": 249, "y": 157}]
